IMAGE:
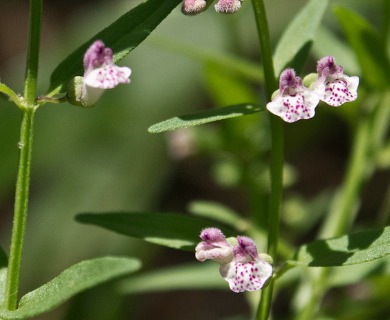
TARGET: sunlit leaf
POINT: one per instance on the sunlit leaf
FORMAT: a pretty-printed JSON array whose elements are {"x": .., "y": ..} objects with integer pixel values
[
  {"x": 369, "y": 47},
  {"x": 73, "y": 280},
  {"x": 293, "y": 47},
  {"x": 208, "y": 116},
  {"x": 197, "y": 275},
  {"x": 177, "y": 231},
  {"x": 346, "y": 250},
  {"x": 122, "y": 36}
]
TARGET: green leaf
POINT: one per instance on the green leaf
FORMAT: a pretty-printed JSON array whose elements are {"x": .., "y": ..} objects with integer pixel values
[
  {"x": 297, "y": 38},
  {"x": 217, "y": 212},
  {"x": 236, "y": 65},
  {"x": 168, "y": 229},
  {"x": 73, "y": 280},
  {"x": 3, "y": 274},
  {"x": 208, "y": 116},
  {"x": 192, "y": 276},
  {"x": 122, "y": 36},
  {"x": 346, "y": 250},
  {"x": 369, "y": 47}
]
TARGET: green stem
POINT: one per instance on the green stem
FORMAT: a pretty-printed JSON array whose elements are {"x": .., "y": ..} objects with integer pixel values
[
  {"x": 12, "y": 96},
  {"x": 25, "y": 145},
  {"x": 277, "y": 153},
  {"x": 31, "y": 76},
  {"x": 20, "y": 210}
]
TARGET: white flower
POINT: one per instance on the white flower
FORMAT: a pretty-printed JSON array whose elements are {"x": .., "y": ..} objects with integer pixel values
[
  {"x": 333, "y": 86},
  {"x": 100, "y": 73},
  {"x": 293, "y": 101},
  {"x": 240, "y": 266}
]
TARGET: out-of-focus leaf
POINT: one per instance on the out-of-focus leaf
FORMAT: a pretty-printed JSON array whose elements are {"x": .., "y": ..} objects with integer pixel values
[
  {"x": 355, "y": 273},
  {"x": 184, "y": 277},
  {"x": 369, "y": 48},
  {"x": 233, "y": 64},
  {"x": 298, "y": 36},
  {"x": 3, "y": 274},
  {"x": 167, "y": 229},
  {"x": 204, "y": 117},
  {"x": 122, "y": 36},
  {"x": 347, "y": 250},
  {"x": 73, "y": 280},
  {"x": 327, "y": 44},
  {"x": 218, "y": 212}
]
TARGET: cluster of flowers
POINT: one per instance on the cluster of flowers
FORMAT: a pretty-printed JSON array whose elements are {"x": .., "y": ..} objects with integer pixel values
[
  {"x": 294, "y": 101},
  {"x": 192, "y": 7},
  {"x": 240, "y": 264}
]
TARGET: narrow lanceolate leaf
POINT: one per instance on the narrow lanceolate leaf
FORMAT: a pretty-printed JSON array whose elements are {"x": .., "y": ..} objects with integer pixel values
[
  {"x": 369, "y": 48},
  {"x": 191, "y": 276},
  {"x": 73, "y": 280},
  {"x": 297, "y": 39},
  {"x": 122, "y": 36},
  {"x": 177, "y": 231},
  {"x": 208, "y": 116},
  {"x": 346, "y": 250},
  {"x": 3, "y": 275}
]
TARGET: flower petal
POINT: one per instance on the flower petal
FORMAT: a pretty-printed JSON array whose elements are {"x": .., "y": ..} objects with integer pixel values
[
  {"x": 294, "y": 107},
  {"x": 336, "y": 91},
  {"x": 107, "y": 77},
  {"x": 249, "y": 276}
]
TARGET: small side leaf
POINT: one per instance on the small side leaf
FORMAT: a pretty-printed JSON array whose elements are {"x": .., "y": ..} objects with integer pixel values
[
  {"x": 73, "y": 280},
  {"x": 122, "y": 36},
  {"x": 299, "y": 34},
  {"x": 347, "y": 250},
  {"x": 208, "y": 116},
  {"x": 168, "y": 229},
  {"x": 184, "y": 277}
]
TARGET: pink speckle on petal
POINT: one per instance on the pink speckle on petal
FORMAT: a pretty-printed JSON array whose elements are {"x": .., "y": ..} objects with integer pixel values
[
  {"x": 249, "y": 276},
  {"x": 294, "y": 107},
  {"x": 337, "y": 91},
  {"x": 108, "y": 77}
]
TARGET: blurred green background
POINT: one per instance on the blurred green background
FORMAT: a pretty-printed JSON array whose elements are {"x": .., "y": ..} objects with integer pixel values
[{"x": 103, "y": 159}]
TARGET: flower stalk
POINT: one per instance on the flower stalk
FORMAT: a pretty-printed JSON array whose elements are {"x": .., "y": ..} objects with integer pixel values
[{"x": 277, "y": 153}]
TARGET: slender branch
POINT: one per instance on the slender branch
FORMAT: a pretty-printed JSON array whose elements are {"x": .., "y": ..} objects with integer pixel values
[
  {"x": 12, "y": 96},
  {"x": 277, "y": 153},
  {"x": 20, "y": 210},
  {"x": 25, "y": 145},
  {"x": 31, "y": 76}
]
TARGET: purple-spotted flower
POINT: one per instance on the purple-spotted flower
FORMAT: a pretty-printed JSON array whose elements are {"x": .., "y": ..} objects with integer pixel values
[
  {"x": 192, "y": 7},
  {"x": 227, "y": 6},
  {"x": 240, "y": 265},
  {"x": 100, "y": 73},
  {"x": 333, "y": 86},
  {"x": 293, "y": 101}
]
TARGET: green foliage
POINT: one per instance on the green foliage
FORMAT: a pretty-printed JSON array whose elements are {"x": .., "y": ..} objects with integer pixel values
[
  {"x": 122, "y": 36},
  {"x": 172, "y": 230},
  {"x": 292, "y": 48},
  {"x": 347, "y": 250},
  {"x": 189, "y": 276},
  {"x": 73, "y": 280},
  {"x": 208, "y": 116},
  {"x": 369, "y": 47}
]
